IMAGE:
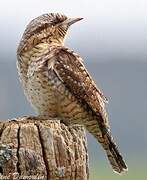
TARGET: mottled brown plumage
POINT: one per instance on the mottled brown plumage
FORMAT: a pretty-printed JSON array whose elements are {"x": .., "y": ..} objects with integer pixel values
[{"x": 57, "y": 83}]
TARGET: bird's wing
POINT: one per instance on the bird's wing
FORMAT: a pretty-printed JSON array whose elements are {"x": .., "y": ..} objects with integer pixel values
[{"x": 71, "y": 71}]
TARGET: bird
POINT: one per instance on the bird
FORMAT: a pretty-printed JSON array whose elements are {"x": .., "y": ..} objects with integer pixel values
[{"x": 57, "y": 83}]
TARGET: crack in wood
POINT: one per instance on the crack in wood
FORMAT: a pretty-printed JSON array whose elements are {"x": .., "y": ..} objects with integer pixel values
[
  {"x": 1, "y": 130},
  {"x": 87, "y": 158},
  {"x": 18, "y": 147},
  {"x": 43, "y": 152},
  {"x": 75, "y": 152}
]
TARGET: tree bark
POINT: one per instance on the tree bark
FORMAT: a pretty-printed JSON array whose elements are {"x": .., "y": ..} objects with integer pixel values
[{"x": 31, "y": 148}]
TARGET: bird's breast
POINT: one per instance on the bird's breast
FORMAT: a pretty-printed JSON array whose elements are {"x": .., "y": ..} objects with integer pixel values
[{"x": 41, "y": 92}]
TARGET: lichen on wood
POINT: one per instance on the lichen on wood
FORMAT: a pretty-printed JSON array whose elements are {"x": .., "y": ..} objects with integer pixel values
[{"x": 32, "y": 148}]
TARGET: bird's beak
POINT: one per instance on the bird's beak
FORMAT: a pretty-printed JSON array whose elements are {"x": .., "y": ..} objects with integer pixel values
[{"x": 71, "y": 21}]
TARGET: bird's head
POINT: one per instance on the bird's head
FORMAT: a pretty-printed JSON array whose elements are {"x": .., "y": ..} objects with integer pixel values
[{"x": 48, "y": 28}]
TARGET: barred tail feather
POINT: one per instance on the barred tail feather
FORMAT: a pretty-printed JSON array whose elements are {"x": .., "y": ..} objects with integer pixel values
[{"x": 114, "y": 157}]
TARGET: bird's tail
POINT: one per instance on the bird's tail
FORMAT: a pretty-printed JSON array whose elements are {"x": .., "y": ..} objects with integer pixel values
[{"x": 113, "y": 154}]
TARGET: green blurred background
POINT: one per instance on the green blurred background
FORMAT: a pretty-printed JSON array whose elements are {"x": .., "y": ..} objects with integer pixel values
[{"x": 112, "y": 39}]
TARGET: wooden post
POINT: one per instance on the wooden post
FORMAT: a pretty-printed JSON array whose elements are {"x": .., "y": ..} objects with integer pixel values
[{"x": 31, "y": 148}]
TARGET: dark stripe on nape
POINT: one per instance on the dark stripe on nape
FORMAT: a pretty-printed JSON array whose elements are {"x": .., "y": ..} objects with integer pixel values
[
  {"x": 61, "y": 32},
  {"x": 37, "y": 30}
]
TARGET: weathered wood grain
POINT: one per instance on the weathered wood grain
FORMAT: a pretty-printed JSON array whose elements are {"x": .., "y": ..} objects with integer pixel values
[{"x": 31, "y": 148}]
